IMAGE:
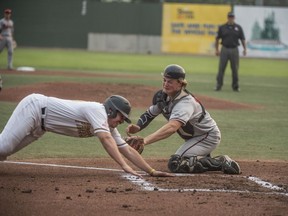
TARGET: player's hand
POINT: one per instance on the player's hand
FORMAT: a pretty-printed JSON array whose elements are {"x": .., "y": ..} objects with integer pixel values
[
  {"x": 244, "y": 52},
  {"x": 128, "y": 169},
  {"x": 217, "y": 53},
  {"x": 132, "y": 129},
  {"x": 161, "y": 174}
]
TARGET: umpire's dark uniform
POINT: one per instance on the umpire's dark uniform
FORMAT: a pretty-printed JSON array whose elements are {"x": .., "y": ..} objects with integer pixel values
[{"x": 229, "y": 33}]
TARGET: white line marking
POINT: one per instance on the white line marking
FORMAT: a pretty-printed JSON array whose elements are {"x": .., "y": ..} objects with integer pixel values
[
  {"x": 145, "y": 185},
  {"x": 63, "y": 166},
  {"x": 265, "y": 184},
  {"x": 150, "y": 187}
]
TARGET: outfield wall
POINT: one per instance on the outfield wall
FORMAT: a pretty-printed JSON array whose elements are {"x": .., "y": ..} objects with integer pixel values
[
  {"x": 67, "y": 23},
  {"x": 145, "y": 44},
  {"x": 144, "y": 28}
]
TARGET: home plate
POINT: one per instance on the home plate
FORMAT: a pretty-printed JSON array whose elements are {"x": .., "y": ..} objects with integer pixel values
[{"x": 26, "y": 69}]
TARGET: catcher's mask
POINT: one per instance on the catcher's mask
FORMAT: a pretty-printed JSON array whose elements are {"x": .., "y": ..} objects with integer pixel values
[
  {"x": 117, "y": 103},
  {"x": 174, "y": 71}
]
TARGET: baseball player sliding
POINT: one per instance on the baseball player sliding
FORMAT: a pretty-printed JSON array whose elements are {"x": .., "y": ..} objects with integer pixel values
[
  {"x": 37, "y": 114},
  {"x": 188, "y": 117}
]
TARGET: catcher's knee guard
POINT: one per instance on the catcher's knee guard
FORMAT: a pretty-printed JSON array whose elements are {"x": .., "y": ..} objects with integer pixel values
[
  {"x": 174, "y": 163},
  {"x": 192, "y": 164},
  {"x": 209, "y": 164},
  {"x": 178, "y": 164}
]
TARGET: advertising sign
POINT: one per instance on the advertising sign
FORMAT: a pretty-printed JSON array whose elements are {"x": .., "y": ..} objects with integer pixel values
[
  {"x": 191, "y": 28},
  {"x": 265, "y": 29}
]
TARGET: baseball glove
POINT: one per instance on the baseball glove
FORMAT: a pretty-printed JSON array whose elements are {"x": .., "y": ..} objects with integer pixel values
[{"x": 136, "y": 142}]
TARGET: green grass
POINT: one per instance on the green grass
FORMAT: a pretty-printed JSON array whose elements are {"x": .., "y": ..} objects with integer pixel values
[
  {"x": 84, "y": 60},
  {"x": 246, "y": 134}
]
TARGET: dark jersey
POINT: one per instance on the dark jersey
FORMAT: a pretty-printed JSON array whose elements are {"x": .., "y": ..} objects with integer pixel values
[{"x": 230, "y": 35}]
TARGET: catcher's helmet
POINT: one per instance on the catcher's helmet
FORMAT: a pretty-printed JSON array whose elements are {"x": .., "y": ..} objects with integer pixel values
[
  {"x": 117, "y": 103},
  {"x": 174, "y": 71}
]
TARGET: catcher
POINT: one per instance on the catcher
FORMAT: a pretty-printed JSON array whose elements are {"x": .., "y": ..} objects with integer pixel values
[{"x": 188, "y": 117}]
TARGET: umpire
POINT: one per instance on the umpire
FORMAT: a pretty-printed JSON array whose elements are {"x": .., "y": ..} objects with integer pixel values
[{"x": 229, "y": 33}]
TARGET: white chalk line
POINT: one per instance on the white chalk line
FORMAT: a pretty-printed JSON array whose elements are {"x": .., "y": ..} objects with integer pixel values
[
  {"x": 145, "y": 185},
  {"x": 150, "y": 187},
  {"x": 62, "y": 166}
]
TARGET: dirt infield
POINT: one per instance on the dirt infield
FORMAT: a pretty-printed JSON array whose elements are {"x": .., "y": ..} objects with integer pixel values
[
  {"x": 27, "y": 189},
  {"x": 98, "y": 187},
  {"x": 138, "y": 95}
]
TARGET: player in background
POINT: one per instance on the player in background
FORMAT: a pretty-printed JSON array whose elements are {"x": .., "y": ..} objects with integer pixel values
[
  {"x": 37, "y": 114},
  {"x": 188, "y": 117},
  {"x": 6, "y": 36}
]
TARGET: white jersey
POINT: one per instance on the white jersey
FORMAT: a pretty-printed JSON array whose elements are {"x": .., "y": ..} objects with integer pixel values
[
  {"x": 6, "y": 27},
  {"x": 78, "y": 119},
  {"x": 36, "y": 114}
]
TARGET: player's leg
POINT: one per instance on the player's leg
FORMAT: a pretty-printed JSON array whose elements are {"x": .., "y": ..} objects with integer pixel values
[
  {"x": 189, "y": 157},
  {"x": 10, "y": 53},
  {"x": 2, "y": 44},
  {"x": 194, "y": 157},
  {"x": 221, "y": 68},
  {"x": 23, "y": 127},
  {"x": 234, "y": 68}
]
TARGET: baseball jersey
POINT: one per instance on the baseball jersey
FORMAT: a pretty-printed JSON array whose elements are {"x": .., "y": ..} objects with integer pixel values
[
  {"x": 78, "y": 119},
  {"x": 189, "y": 112},
  {"x": 6, "y": 27}
]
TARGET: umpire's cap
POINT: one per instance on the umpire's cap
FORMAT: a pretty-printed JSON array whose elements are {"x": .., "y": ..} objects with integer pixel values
[
  {"x": 231, "y": 14},
  {"x": 174, "y": 71},
  {"x": 117, "y": 103}
]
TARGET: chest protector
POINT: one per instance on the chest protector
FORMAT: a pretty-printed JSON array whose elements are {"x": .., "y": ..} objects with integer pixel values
[{"x": 166, "y": 105}]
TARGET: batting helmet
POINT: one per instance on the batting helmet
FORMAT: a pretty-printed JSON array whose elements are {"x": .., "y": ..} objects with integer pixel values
[
  {"x": 117, "y": 103},
  {"x": 174, "y": 71}
]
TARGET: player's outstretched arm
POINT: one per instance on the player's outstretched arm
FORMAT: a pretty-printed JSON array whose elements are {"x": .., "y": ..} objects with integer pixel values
[
  {"x": 165, "y": 131},
  {"x": 133, "y": 156},
  {"x": 111, "y": 147}
]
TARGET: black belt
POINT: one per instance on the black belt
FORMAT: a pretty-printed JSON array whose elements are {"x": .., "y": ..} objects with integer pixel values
[
  {"x": 42, "y": 119},
  {"x": 230, "y": 47}
]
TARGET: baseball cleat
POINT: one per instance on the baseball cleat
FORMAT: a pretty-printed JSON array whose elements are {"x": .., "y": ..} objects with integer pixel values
[{"x": 229, "y": 166}]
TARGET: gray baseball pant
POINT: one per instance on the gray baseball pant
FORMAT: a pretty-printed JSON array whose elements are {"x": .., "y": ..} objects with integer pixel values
[{"x": 232, "y": 55}]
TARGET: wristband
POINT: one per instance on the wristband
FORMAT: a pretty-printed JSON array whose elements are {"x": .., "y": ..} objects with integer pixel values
[{"x": 151, "y": 171}]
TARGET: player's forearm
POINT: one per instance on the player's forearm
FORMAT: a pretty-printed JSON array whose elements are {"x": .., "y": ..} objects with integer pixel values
[
  {"x": 217, "y": 44},
  {"x": 145, "y": 120},
  {"x": 243, "y": 44},
  {"x": 111, "y": 148},
  {"x": 164, "y": 132},
  {"x": 133, "y": 156}
]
